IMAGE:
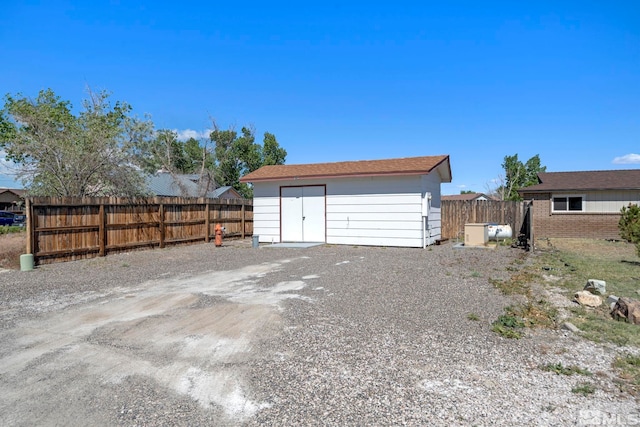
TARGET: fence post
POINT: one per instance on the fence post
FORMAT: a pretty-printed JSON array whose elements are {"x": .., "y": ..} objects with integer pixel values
[
  {"x": 161, "y": 224},
  {"x": 30, "y": 228},
  {"x": 243, "y": 214},
  {"x": 102, "y": 231},
  {"x": 207, "y": 221}
]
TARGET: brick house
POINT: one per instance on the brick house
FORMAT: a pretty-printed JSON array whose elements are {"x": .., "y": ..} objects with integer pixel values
[{"x": 581, "y": 204}]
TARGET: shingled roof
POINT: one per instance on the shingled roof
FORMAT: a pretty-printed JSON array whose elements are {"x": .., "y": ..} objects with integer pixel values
[
  {"x": 465, "y": 197},
  {"x": 585, "y": 181},
  {"x": 389, "y": 167}
]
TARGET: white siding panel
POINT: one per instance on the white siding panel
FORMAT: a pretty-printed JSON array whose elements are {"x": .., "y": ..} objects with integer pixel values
[
  {"x": 375, "y": 241},
  {"x": 368, "y": 233},
  {"x": 373, "y": 207},
  {"x": 372, "y": 199},
  {"x": 266, "y": 212},
  {"x": 373, "y": 225},
  {"x": 375, "y": 212},
  {"x": 266, "y": 201},
  {"x": 375, "y": 216},
  {"x": 267, "y": 216}
]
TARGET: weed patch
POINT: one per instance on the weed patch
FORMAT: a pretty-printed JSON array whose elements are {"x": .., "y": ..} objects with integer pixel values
[
  {"x": 584, "y": 389},
  {"x": 628, "y": 368},
  {"x": 559, "y": 369},
  {"x": 508, "y": 325}
]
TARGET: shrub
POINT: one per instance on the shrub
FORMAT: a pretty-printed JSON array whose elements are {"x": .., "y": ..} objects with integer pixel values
[{"x": 629, "y": 225}]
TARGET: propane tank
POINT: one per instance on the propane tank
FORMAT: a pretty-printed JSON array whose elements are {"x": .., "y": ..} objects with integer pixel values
[
  {"x": 499, "y": 231},
  {"x": 218, "y": 239}
]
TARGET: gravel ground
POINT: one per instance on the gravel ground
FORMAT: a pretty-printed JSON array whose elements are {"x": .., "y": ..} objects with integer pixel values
[{"x": 370, "y": 336}]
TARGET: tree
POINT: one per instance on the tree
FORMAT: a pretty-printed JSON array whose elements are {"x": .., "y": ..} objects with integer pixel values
[
  {"x": 237, "y": 155},
  {"x": 467, "y": 192},
  {"x": 629, "y": 225},
  {"x": 61, "y": 154},
  {"x": 518, "y": 175}
]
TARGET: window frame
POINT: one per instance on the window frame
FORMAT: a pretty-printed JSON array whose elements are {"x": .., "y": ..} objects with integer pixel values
[{"x": 567, "y": 197}]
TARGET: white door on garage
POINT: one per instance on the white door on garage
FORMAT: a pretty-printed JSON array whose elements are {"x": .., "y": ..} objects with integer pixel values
[{"x": 303, "y": 214}]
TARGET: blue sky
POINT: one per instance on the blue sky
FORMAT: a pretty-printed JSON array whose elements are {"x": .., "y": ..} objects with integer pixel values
[{"x": 355, "y": 80}]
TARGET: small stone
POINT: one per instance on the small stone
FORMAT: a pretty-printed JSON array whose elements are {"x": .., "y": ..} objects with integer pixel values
[
  {"x": 568, "y": 326},
  {"x": 586, "y": 298},
  {"x": 596, "y": 287}
]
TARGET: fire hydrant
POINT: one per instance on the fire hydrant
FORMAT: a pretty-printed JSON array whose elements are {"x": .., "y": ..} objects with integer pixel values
[{"x": 218, "y": 235}]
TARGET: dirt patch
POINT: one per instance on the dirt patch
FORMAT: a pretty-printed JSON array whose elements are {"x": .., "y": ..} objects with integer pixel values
[{"x": 12, "y": 245}]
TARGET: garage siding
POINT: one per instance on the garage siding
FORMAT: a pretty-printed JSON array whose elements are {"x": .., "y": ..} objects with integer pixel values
[
  {"x": 266, "y": 212},
  {"x": 375, "y": 211}
]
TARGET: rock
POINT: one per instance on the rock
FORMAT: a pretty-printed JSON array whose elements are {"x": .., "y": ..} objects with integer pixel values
[
  {"x": 627, "y": 309},
  {"x": 570, "y": 327},
  {"x": 586, "y": 298},
  {"x": 596, "y": 287},
  {"x": 612, "y": 299}
]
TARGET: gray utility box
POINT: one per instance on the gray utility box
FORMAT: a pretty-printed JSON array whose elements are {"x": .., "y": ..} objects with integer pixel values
[{"x": 476, "y": 234}]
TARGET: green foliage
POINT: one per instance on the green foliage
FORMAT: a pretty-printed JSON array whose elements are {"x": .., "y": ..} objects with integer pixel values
[
  {"x": 508, "y": 325},
  {"x": 467, "y": 192},
  {"x": 584, "y": 389},
  {"x": 473, "y": 316},
  {"x": 59, "y": 153},
  {"x": 237, "y": 155},
  {"x": 628, "y": 367},
  {"x": 629, "y": 225},
  {"x": 518, "y": 175},
  {"x": 6, "y": 229},
  {"x": 559, "y": 369}
]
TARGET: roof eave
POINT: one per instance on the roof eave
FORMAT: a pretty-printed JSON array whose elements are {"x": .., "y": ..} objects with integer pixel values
[
  {"x": 548, "y": 190},
  {"x": 331, "y": 176}
]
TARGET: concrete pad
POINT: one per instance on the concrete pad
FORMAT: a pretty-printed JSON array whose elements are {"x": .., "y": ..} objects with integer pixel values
[{"x": 297, "y": 245}]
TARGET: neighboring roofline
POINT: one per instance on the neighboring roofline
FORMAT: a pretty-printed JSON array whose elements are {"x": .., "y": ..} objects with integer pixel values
[
  {"x": 354, "y": 174},
  {"x": 557, "y": 190},
  {"x": 590, "y": 184}
]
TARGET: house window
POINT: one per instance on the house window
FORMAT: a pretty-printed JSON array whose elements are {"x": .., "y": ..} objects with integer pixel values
[{"x": 568, "y": 204}]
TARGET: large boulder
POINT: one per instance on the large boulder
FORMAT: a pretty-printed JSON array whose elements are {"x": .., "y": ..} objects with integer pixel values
[
  {"x": 596, "y": 287},
  {"x": 587, "y": 299},
  {"x": 627, "y": 309}
]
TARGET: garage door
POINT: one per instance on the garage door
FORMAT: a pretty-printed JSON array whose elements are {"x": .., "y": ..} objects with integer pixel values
[{"x": 302, "y": 214}]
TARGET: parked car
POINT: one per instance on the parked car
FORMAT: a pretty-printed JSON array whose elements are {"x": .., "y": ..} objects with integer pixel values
[
  {"x": 19, "y": 220},
  {"x": 6, "y": 218}
]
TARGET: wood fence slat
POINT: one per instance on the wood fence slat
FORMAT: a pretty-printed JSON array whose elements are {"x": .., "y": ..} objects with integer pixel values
[
  {"x": 67, "y": 228},
  {"x": 456, "y": 213}
]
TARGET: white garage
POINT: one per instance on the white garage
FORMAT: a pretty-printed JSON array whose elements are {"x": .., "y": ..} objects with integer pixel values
[{"x": 392, "y": 202}]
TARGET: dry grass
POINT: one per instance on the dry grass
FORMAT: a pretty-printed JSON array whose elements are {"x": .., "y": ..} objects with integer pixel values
[
  {"x": 603, "y": 249},
  {"x": 12, "y": 245}
]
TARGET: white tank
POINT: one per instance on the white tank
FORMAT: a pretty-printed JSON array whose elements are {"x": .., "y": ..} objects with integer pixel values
[{"x": 499, "y": 231}]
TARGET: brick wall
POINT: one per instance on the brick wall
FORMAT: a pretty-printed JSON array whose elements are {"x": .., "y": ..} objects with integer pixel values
[{"x": 580, "y": 225}]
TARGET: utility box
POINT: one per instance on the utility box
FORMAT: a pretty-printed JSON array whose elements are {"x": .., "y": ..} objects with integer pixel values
[{"x": 476, "y": 234}]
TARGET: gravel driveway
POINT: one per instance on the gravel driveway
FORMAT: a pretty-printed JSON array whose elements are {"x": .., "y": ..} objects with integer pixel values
[{"x": 329, "y": 335}]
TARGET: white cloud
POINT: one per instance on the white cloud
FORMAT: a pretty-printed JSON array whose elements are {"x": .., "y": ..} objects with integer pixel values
[
  {"x": 185, "y": 134},
  {"x": 627, "y": 159}
]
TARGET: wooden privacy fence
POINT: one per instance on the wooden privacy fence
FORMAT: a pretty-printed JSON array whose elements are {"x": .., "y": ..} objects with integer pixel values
[
  {"x": 68, "y": 228},
  {"x": 457, "y": 213}
]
